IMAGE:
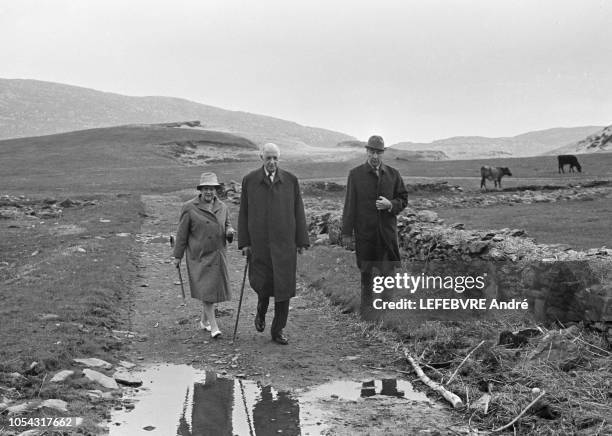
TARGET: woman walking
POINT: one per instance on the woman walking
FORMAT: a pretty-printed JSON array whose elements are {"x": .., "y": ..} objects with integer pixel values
[{"x": 203, "y": 231}]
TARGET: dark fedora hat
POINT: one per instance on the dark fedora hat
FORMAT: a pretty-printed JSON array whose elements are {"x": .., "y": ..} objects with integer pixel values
[{"x": 376, "y": 143}]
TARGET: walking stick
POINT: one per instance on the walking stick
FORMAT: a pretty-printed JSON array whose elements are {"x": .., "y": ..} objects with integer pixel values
[
  {"x": 178, "y": 268},
  {"x": 246, "y": 267}
]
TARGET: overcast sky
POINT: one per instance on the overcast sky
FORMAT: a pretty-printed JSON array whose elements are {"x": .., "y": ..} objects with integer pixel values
[{"x": 408, "y": 70}]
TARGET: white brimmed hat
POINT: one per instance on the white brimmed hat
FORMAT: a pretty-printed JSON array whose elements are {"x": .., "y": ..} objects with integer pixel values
[{"x": 208, "y": 179}]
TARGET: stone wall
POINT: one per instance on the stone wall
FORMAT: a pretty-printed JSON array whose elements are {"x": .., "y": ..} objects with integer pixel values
[{"x": 561, "y": 284}]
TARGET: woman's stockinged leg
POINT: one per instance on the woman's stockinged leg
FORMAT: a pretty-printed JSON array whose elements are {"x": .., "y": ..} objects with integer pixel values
[{"x": 209, "y": 310}]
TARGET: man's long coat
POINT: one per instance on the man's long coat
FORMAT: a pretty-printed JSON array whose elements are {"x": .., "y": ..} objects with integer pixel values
[
  {"x": 375, "y": 231},
  {"x": 272, "y": 222}
]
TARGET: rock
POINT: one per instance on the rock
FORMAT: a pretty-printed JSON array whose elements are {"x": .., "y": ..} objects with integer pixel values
[
  {"x": 55, "y": 404},
  {"x": 94, "y": 362},
  {"x": 477, "y": 247},
  {"x": 35, "y": 368},
  {"x": 125, "y": 378},
  {"x": 68, "y": 203},
  {"x": 322, "y": 239},
  {"x": 100, "y": 378},
  {"x": 18, "y": 409},
  {"x": 95, "y": 394},
  {"x": 49, "y": 317},
  {"x": 126, "y": 364},
  {"x": 32, "y": 432},
  {"x": 61, "y": 376},
  {"x": 428, "y": 216}
]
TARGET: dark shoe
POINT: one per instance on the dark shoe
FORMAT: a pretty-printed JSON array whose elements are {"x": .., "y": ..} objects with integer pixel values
[
  {"x": 280, "y": 339},
  {"x": 260, "y": 323}
]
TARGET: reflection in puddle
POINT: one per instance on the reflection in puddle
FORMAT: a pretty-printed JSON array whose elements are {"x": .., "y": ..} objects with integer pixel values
[{"x": 179, "y": 400}]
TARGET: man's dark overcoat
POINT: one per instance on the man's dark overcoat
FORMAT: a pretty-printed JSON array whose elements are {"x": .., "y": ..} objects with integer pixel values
[
  {"x": 375, "y": 231},
  {"x": 272, "y": 222}
]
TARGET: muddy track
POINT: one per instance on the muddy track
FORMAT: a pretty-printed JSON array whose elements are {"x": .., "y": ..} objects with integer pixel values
[{"x": 324, "y": 344}]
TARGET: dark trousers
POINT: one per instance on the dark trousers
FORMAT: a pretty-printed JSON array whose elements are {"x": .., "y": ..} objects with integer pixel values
[
  {"x": 369, "y": 269},
  {"x": 281, "y": 313},
  {"x": 365, "y": 309}
]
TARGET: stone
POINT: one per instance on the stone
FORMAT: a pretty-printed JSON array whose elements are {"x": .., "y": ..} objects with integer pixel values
[
  {"x": 18, "y": 409},
  {"x": 59, "y": 405},
  {"x": 428, "y": 216},
  {"x": 95, "y": 394},
  {"x": 49, "y": 317},
  {"x": 68, "y": 203},
  {"x": 94, "y": 362},
  {"x": 101, "y": 379},
  {"x": 61, "y": 376},
  {"x": 126, "y": 364},
  {"x": 125, "y": 378},
  {"x": 32, "y": 432}
]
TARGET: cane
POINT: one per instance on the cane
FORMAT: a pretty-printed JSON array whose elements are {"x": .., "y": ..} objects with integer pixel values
[
  {"x": 178, "y": 268},
  {"x": 246, "y": 267}
]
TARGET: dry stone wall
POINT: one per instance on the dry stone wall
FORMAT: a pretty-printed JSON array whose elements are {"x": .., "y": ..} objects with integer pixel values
[{"x": 560, "y": 283}]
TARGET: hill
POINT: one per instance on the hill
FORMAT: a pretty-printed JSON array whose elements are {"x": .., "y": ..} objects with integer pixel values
[
  {"x": 129, "y": 157},
  {"x": 600, "y": 141},
  {"x": 34, "y": 108},
  {"x": 527, "y": 144}
]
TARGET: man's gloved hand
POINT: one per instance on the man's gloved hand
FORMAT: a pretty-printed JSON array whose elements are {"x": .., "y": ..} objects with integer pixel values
[
  {"x": 229, "y": 235},
  {"x": 246, "y": 251},
  {"x": 177, "y": 262}
]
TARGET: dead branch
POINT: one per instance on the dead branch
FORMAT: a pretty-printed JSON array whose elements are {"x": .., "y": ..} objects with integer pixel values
[
  {"x": 462, "y": 362},
  {"x": 449, "y": 396},
  {"x": 520, "y": 414}
]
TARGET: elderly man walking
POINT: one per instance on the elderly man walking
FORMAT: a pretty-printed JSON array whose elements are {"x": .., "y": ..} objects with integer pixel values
[
  {"x": 271, "y": 231},
  {"x": 375, "y": 195}
]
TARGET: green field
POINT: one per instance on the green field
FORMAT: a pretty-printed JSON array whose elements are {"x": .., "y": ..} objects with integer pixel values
[{"x": 131, "y": 158}]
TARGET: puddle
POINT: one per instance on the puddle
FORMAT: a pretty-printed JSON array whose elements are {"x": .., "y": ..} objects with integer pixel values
[{"x": 179, "y": 400}]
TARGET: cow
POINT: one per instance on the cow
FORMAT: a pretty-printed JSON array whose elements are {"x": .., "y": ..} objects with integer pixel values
[
  {"x": 568, "y": 159},
  {"x": 493, "y": 173}
]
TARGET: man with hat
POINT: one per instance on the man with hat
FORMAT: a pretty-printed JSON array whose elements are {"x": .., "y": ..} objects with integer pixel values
[
  {"x": 271, "y": 231},
  {"x": 203, "y": 231},
  {"x": 375, "y": 195}
]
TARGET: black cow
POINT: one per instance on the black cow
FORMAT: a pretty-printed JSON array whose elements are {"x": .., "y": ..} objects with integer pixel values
[
  {"x": 493, "y": 173},
  {"x": 568, "y": 159}
]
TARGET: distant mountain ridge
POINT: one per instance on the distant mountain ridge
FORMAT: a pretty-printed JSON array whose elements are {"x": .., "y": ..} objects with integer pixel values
[
  {"x": 35, "y": 108},
  {"x": 600, "y": 141},
  {"x": 526, "y": 144}
]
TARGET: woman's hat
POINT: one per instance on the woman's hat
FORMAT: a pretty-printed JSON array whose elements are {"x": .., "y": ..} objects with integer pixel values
[{"x": 208, "y": 179}]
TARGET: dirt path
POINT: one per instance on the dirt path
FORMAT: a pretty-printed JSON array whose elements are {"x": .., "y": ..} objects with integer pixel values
[{"x": 324, "y": 345}]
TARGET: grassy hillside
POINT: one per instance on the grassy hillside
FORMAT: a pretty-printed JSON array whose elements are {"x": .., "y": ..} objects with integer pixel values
[
  {"x": 31, "y": 107},
  {"x": 116, "y": 158},
  {"x": 134, "y": 158}
]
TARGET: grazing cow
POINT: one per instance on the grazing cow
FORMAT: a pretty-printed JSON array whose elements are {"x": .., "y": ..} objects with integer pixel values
[
  {"x": 493, "y": 173},
  {"x": 568, "y": 159}
]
